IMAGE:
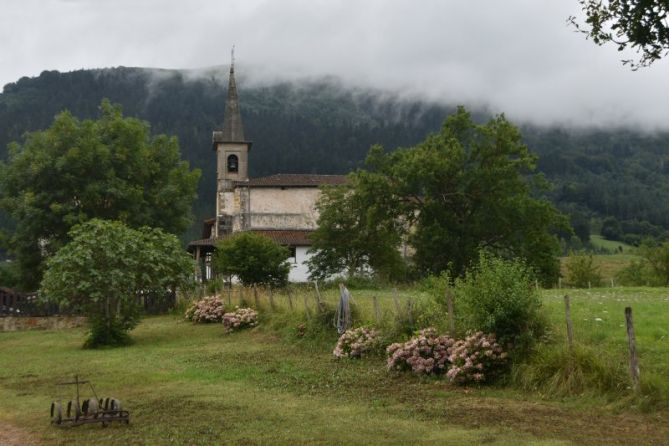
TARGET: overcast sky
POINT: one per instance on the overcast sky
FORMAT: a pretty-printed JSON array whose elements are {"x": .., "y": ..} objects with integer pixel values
[{"x": 513, "y": 56}]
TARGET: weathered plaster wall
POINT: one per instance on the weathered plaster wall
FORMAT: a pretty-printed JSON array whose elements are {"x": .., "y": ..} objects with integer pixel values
[{"x": 287, "y": 208}]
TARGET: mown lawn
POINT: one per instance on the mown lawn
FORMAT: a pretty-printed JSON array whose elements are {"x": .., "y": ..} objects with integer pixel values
[{"x": 192, "y": 384}]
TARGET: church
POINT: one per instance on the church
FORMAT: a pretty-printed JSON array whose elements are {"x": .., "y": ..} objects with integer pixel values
[{"x": 281, "y": 206}]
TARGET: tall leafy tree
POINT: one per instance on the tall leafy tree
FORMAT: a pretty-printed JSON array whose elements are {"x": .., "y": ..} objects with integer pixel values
[
  {"x": 109, "y": 168},
  {"x": 354, "y": 234},
  {"x": 468, "y": 187},
  {"x": 106, "y": 267}
]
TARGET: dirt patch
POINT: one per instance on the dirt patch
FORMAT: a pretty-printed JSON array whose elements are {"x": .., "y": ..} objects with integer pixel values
[{"x": 11, "y": 435}]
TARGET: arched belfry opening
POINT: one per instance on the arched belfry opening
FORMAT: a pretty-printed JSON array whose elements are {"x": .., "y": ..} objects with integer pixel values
[{"x": 233, "y": 163}]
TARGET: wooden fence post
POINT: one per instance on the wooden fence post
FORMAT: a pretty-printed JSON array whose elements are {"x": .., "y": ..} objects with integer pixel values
[
  {"x": 570, "y": 327},
  {"x": 271, "y": 298},
  {"x": 377, "y": 309},
  {"x": 634, "y": 362},
  {"x": 451, "y": 314},
  {"x": 318, "y": 296},
  {"x": 255, "y": 296},
  {"x": 396, "y": 299},
  {"x": 230, "y": 292},
  {"x": 409, "y": 312},
  {"x": 290, "y": 298},
  {"x": 307, "y": 311}
]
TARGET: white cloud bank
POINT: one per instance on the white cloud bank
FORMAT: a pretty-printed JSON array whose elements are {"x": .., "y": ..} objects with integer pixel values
[{"x": 512, "y": 56}]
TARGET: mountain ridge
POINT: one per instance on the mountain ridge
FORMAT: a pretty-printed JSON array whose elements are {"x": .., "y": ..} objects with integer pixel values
[{"x": 323, "y": 126}]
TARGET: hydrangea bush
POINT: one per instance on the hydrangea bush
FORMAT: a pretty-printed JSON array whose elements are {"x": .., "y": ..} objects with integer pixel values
[
  {"x": 357, "y": 342},
  {"x": 209, "y": 309},
  {"x": 472, "y": 359},
  {"x": 424, "y": 354},
  {"x": 240, "y": 318}
]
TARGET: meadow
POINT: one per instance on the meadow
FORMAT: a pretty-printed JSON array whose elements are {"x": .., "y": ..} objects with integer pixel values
[{"x": 279, "y": 384}]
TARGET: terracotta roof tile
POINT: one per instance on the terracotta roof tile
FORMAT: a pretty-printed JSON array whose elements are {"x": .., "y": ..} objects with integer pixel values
[
  {"x": 287, "y": 237},
  {"x": 294, "y": 180}
]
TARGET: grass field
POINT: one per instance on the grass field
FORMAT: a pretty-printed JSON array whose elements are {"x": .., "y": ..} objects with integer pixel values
[
  {"x": 613, "y": 246},
  {"x": 609, "y": 266},
  {"x": 192, "y": 384}
]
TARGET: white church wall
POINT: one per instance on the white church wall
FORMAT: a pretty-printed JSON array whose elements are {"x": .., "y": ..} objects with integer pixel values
[{"x": 298, "y": 267}]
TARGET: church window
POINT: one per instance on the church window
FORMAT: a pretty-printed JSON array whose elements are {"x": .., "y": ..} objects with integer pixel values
[{"x": 233, "y": 163}]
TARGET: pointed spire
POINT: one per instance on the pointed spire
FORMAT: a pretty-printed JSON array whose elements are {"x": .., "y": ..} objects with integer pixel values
[{"x": 233, "y": 131}]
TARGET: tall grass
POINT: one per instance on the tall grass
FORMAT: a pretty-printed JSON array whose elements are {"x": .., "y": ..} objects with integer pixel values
[{"x": 596, "y": 367}]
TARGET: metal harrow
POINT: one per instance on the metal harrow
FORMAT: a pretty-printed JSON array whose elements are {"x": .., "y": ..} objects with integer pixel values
[{"x": 92, "y": 410}]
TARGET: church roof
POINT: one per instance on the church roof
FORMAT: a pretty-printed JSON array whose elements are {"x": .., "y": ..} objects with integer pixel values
[
  {"x": 290, "y": 237},
  {"x": 294, "y": 180},
  {"x": 233, "y": 130}
]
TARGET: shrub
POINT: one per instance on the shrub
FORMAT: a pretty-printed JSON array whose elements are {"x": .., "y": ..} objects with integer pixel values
[
  {"x": 638, "y": 273},
  {"x": 556, "y": 371},
  {"x": 209, "y": 309},
  {"x": 498, "y": 296},
  {"x": 240, "y": 318},
  {"x": 253, "y": 258},
  {"x": 425, "y": 354},
  {"x": 357, "y": 342},
  {"x": 582, "y": 271},
  {"x": 476, "y": 358},
  {"x": 106, "y": 268}
]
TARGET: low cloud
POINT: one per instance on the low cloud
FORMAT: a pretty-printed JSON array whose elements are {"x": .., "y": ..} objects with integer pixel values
[{"x": 517, "y": 56}]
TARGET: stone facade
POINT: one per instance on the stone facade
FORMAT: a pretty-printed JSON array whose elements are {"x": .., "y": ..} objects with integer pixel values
[{"x": 12, "y": 323}]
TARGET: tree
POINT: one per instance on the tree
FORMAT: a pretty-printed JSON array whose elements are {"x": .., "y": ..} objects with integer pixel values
[
  {"x": 658, "y": 259},
  {"x": 611, "y": 229},
  {"x": 110, "y": 168},
  {"x": 465, "y": 188},
  {"x": 253, "y": 259},
  {"x": 582, "y": 271},
  {"x": 106, "y": 267},
  {"x": 352, "y": 236},
  {"x": 638, "y": 24}
]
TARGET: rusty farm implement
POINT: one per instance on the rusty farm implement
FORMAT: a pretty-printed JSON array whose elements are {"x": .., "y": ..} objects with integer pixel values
[{"x": 91, "y": 410}]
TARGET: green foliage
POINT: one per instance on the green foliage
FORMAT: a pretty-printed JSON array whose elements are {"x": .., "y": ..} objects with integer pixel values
[
  {"x": 110, "y": 168},
  {"x": 637, "y": 273},
  {"x": 582, "y": 271},
  {"x": 253, "y": 258},
  {"x": 9, "y": 275},
  {"x": 105, "y": 269},
  {"x": 466, "y": 187},
  {"x": 555, "y": 371},
  {"x": 658, "y": 260},
  {"x": 634, "y": 24},
  {"x": 353, "y": 236},
  {"x": 498, "y": 296}
]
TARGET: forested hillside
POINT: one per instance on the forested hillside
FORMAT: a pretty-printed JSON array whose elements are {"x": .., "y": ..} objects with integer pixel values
[{"x": 322, "y": 126}]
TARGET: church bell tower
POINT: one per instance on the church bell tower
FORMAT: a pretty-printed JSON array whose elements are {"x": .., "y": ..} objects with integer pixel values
[{"x": 232, "y": 155}]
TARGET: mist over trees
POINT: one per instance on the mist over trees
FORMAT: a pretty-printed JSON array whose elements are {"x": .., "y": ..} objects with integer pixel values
[{"x": 323, "y": 127}]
